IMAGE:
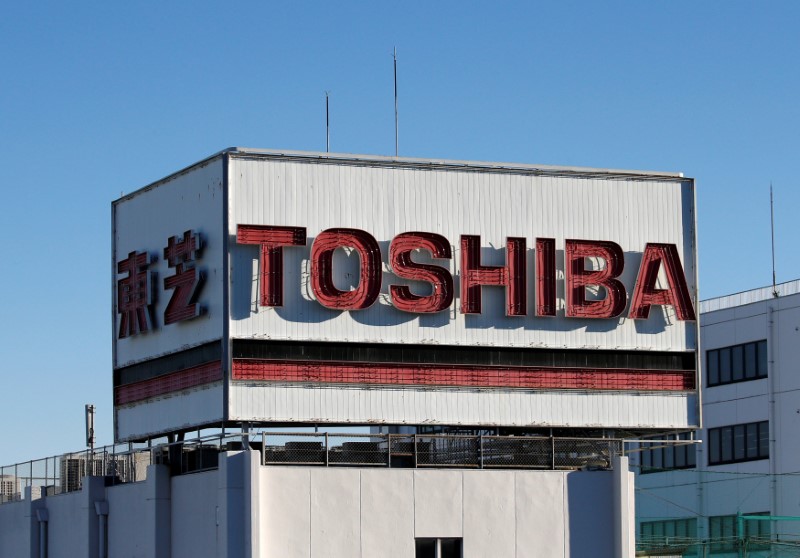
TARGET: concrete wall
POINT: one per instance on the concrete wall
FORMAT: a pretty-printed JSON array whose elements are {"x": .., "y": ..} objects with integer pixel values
[
  {"x": 194, "y": 515},
  {"x": 245, "y": 510},
  {"x": 16, "y": 529},
  {"x": 348, "y": 513}
]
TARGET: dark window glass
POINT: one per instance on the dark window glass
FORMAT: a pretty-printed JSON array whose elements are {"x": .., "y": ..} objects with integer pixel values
[
  {"x": 737, "y": 363},
  {"x": 763, "y": 439},
  {"x": 657, "y": 461},
  {"x": 726, "y": 442},
  {"x": 714, "y": 453},
  {"x": 690, "y": 457},
  {"x": 654, "y": 532},
  {"x": 712, "y": 362},
  {"x": 722, "y": 530},
  {"x": 738, "y": 442},
  {"x": 451, "y": 548},
  {"x": 426, "y": 548},
  {"x": 680, "y": 456},
  {"x": 669, "y": 457},
  {"x": 752, "y": 441},
  {"x": 762, "y": 359},
  {"x": 750, "y": 361},
  {"x": 725, "y": 366},
  {"x": 729, "y": 531}
]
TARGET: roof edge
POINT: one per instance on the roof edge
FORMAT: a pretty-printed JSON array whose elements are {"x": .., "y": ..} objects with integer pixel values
[
  {"x": 448, "y": 163},
  {"x": 750, "y": 296},
  {"x": 411, "y": 162}
]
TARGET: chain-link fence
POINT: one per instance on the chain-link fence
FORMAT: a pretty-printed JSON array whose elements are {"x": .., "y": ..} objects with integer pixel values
[
  {"x": 722, "y": 547},
  {"x": 64, "y": 473},
  {"x": 119, "y": 463}
]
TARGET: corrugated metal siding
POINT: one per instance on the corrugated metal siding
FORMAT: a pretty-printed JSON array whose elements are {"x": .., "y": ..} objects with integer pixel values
[
  {"x": 144, "y": 222},
  {"x": 749, "y": 297},
  {"x": 282, "y": 403},
  {"x": 386, "y": 201},
  {"x": 200, "y": 405}
]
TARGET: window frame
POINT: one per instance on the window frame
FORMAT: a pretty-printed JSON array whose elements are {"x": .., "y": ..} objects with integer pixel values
[
  {"x": 669, "y": 457},
  {"x": 724, "y": 527},
  {"x": 732, "y": 443},
  {"x": 744, "y": 362}
]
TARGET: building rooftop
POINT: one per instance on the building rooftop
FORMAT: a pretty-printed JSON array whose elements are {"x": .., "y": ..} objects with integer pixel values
[{"x": 749, "y": 297}]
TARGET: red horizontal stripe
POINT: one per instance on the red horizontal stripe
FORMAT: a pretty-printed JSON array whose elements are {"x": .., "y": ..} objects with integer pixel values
[
  {"x": 523, "y": 377},
  {"x": 176, "y": 381}
]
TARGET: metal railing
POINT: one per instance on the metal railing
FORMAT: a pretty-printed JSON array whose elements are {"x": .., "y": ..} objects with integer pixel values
[
  {"x": 125, "y": 463},
  {"x": 418, "y": 450},
  {"x": 118, "y": 463}
]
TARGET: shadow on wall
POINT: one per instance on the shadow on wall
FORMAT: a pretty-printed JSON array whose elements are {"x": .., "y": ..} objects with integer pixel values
[
  {"x": 590, "y": 510},
  {"x": 299, "y": 304}
]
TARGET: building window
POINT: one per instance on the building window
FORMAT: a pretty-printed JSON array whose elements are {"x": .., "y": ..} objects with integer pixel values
[
  {"x": 449, "y": 548},
  {"x": 668, "y": 533},
  {"x": 739, "y": 442},
  {"x": 739, "y": 363},
  {"x": 724, "y": 538},
  {"x": 669, "y": 456}
]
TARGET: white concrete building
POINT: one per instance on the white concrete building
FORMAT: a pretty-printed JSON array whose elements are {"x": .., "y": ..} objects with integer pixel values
[
  {"x": 243, "y": 509},
  {"x": 749, "y": 458}
]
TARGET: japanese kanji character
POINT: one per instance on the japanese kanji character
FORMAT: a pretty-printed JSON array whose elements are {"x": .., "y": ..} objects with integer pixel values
[
  {"x": 181, "y": 255},
  {"x": 134, "y": 295}
]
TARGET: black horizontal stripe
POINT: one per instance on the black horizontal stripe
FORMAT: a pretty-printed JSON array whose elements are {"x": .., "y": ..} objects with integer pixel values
[
  {"x": 476, "y": 356},
  {"x": 168, "y": 364}
]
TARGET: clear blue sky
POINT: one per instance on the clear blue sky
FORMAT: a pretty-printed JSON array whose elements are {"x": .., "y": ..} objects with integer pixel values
[{"x": 102, "y": 98}]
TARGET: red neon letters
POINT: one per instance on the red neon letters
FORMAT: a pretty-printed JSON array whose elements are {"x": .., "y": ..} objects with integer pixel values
[
  {"x": 646, "y": 294},
  {"x": 272, "y": 241},
  {"x": 369, "y": 277},
  {"x": 578, "y": 278},
  {"x": 545, "y": 276},
  {"x": 439, "y": 277},
  {"x": 136, "y": 295},
  {"x": 187, "y": 282},
  {"x": 474, "y": 276},
  {"x": 511, "y": 276}
]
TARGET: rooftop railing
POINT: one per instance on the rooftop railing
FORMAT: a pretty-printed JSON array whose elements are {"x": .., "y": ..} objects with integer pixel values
[{"x": 125, "y": 463}]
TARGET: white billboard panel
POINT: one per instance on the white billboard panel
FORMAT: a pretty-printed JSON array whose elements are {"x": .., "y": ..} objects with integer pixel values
[
  {"x": 144, "y": 223},
  {"x": 317, "y": 288},
  {"x": 494, "y": 206},
  {"x": 168, "y": 252}
]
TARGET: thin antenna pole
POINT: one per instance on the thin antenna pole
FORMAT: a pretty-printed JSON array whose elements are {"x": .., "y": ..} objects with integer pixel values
[
  {"x": 772, "y": 231},
  {"x": 396, "y": 135},
  {"x": 327, "y": 124}
]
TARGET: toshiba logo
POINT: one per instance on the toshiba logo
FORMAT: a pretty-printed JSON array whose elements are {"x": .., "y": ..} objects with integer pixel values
[{"x": 473, "y": 274}]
